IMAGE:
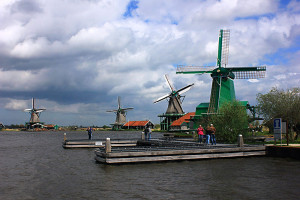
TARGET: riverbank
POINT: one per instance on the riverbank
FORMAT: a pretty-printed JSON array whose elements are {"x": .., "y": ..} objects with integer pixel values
[{"x": 284, "y": 151}]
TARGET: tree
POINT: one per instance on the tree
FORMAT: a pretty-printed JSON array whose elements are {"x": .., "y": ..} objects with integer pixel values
[
  {"x": 105, "y": 127},
  {"x": 232, "y": 121},
  {"x": 281, "y": 104}
]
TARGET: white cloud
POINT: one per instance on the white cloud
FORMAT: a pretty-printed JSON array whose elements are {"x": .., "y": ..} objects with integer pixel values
[
  {"x": 14, "y": 80},
  {"x": 253, "y": 80},
  {"x": 78, "y": 55},
  {"x": 15, "y": 104}
]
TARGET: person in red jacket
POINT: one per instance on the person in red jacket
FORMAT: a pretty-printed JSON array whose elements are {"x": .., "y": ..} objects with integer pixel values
[{"x": 200, "y": 133}]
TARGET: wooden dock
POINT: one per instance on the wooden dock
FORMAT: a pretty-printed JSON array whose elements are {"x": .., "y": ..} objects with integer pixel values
[
  {"x": 158, "y": 151},
  {"x": 97, "y": 143}
]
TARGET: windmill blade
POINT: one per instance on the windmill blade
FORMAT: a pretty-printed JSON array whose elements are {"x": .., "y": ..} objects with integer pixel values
[
  {"x": 172, "y": 88},
  {"x": 194, "y": 69},
  {"x": 28, "y": 110},
  {"x": 127, "y": 108},
  {"x": 32, "y": 103},
  {"x": 40, "y": 110},
  {"x": 119, "y": 102},
  {"x": 162, "y": 98},
  {"x": 185, "y": 89},
  {"x": 112, "y": 111},
  {"x": 248, "y": 72},
  {"x": 225, "y": 47}
]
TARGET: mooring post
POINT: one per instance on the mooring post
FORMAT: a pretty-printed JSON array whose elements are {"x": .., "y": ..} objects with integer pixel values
[
  {"x": 65, "y": 137},
  {"x": 107, "y": 145},
  {"x": 143, "y": 136},
  {"x": 240, "y": 141}
]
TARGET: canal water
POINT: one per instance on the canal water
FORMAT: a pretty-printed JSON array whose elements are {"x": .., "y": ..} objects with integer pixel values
[{"x": 35, "y": 166}]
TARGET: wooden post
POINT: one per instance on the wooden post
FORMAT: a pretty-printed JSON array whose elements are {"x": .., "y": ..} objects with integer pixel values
[
  {"x": 287, "y": 133},
  {"x": 107, "y": 145},
  {"x": 143, "y": 136},
  {"x": 240, "y": 141},
  {"x": 65, "y": 137}
]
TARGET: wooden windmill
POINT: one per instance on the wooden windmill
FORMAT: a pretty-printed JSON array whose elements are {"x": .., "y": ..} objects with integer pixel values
[
  {"x": 120, "y": 115},
  {"x": 174, "y": 98},
  {"x": 222, "y": 84},
  {"x": 174, "y": 110},
  {"x": 34, "y": 121}
]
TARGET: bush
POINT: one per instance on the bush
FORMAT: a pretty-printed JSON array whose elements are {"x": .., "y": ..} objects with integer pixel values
[{"x": 231, "y": 121}]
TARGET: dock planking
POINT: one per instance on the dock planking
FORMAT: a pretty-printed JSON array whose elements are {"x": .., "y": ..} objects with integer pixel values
[
  {"x": 159, "y": 151},
  {"x": 68, "y": 144}
]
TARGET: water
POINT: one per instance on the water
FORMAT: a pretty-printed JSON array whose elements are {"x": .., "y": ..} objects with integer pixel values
[{"x": 35, "y": 166}]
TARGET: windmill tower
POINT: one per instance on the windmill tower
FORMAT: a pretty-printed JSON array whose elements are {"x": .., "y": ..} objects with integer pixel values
[
  {"x": 174, "y": 110},
  {"x": 120, "y": 115},
  {"x": 35, "y": 113},
  {"x": 223, "y": 77}
]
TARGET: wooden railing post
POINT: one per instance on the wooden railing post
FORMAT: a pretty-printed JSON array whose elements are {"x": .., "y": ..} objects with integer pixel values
[
  {"x": 107, "y": 145},
  {"x": 240, "y": 141}
]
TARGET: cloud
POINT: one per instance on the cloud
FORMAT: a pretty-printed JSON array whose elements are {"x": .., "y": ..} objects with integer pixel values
[
  {"x": 76, "y": 57},
  {"x": 15, "y": 104},
  {"x": 25, "y": 6}
]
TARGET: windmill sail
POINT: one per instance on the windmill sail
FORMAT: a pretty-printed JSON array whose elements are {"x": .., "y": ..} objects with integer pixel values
[
  {"x": 225, "y": 47},
  {"x": 172, "y": 88},
  {"x": 181, "y": 69},
  {"x": 162, "y": 98},
  {"x": 248, "y": 72}
]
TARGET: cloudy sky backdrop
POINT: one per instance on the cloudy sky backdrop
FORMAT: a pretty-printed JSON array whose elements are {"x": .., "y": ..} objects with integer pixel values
[{"x": 77, "y": 56}]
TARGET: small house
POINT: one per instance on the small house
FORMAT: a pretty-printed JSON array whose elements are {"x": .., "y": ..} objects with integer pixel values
[
  {"x": 182, "y": 124},
  {"x": 138, "y": 125}
]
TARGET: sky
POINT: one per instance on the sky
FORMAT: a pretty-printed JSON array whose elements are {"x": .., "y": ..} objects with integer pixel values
[{"x": 75, "y": 57}]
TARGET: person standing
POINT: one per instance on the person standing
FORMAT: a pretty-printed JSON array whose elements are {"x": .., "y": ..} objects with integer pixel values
[
  {"x": 213, "y": 137},
  {"x": 200, "y": 134},
  {"x": 149, "y": 133},
  {"x": 208, "y": 132},
  {"x": 146, "y": 132},
  {"x": 89, "y": 130}
]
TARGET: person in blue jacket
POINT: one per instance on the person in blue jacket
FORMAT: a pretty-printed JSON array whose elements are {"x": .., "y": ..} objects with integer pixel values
[{"x": 89, "y": 130}]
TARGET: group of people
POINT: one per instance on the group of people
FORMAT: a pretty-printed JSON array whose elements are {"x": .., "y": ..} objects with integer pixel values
[{"x": 209, "y": 134}]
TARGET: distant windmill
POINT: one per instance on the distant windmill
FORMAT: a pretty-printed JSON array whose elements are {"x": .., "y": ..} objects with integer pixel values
[
  {"x": 34, "y": 115},
  {"x": 120, "y": 115},
  {"x": 174, "y": 106}
]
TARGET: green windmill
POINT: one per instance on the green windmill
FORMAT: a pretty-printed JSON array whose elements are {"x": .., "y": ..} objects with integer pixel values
[{"x": 222, "y": 86}]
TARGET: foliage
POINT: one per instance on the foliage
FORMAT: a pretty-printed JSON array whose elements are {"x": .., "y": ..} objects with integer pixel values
[
  {"x": 232, "y": 121},
  {"x": 281, "y": 104},
  {"x": 157, "y": 126}
]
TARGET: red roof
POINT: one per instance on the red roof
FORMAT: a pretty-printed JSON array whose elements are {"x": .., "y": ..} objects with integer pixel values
[
  {"x": 136, "y": 123},
  {"x": 182, "y": 119}
]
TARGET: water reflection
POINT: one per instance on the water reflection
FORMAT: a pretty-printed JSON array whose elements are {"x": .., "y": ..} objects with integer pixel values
[{"x": 36, "y": 165}]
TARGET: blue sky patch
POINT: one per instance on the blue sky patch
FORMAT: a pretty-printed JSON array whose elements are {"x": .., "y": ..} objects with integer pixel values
[
  {"x": 132, "y": 5},
  {"x": 256, "y": 17}
]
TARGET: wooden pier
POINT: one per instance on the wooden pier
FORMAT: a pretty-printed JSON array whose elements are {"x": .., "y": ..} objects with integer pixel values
[
  {"x": 162, "y": 150},
  {"x": 97, "y": 143}
]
